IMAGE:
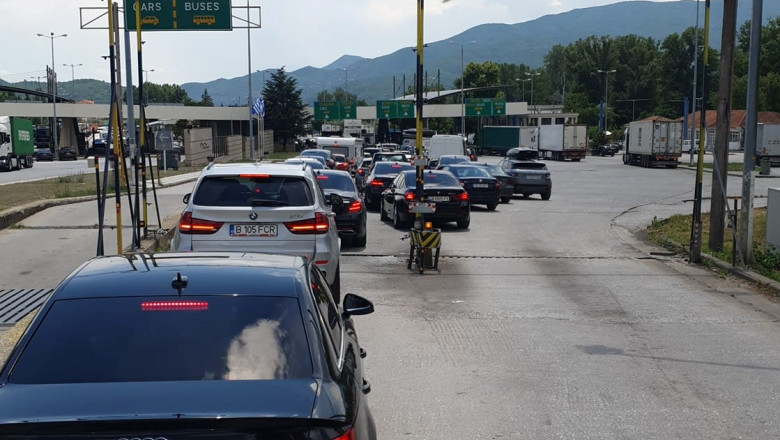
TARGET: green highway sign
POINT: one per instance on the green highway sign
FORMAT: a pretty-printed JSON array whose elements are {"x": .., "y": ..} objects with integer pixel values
[
  {"x": 393, "y": 109},
  {"x": 178, "y": 15},
  {"x": 485, "y": 107},
  {"x": 333, "y": 110}
]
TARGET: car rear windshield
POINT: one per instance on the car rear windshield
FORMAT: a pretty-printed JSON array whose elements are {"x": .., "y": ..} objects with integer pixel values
[
  {"x": 399, "y": 157},
  {"x": 468, "y": 172},
  {"x": 391, "y": 168},
  {"x": 495, "y": 170},
  {"x": 528, "y": 166},
  {"x": 321, "y": 153},
  {"x": 253, "y": 190},
  {"x": 166, "y": 339},
  {"x": 431, "y": 179},
  {"x": 338, "y": 182}
]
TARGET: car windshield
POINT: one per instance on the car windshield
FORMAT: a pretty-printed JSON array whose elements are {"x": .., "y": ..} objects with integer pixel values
[
  {"x": 253, "y": 190},
  {"x": 431, "y": 179},
  {"x": 315, "y": 164},
  {"x": 365, "y": 164},
  {"x": 389, "y": 157},
  {"x": 164, "y": 339},
  {"x": 321, "y": 153},
  {"x": 447, "y": 160},
  {"x": 391, "y": 167},
  {"x": 495, "y": 170},
  {"x": 468, "y": 172},
  {"x": 338, "y": 182}
]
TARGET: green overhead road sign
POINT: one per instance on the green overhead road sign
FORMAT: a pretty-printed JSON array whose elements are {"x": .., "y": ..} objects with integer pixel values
[
  {"x": 393, "y": 109},
  {"x": 485, "y": 107},
  {"x": 180, "y": 15},
  {"x": 327, "y": 111}
]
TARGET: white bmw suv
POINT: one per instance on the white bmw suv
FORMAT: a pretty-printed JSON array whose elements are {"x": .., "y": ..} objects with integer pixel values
[{"x": 262, "y": 207}]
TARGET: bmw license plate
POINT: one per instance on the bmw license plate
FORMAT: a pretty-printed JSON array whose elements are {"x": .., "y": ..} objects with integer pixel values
[
  {"x": 481, "y": 185},
  {"x": 438, "y": 198},
  {"x": 534, "y": 177},
  {"x": 255, "y": 230}
]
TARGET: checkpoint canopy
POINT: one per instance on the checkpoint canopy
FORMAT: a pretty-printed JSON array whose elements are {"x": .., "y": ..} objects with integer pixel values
[{"x": 165, "y": 15}]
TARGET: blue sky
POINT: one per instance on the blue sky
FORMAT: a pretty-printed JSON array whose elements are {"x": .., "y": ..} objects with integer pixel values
[{"x": 294, "y": 33}]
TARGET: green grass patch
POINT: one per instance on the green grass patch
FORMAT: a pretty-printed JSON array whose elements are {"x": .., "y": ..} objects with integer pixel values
[{"x": 674, "y": 234}]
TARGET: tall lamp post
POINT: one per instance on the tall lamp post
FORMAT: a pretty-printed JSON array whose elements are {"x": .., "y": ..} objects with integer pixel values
[
  {"x": 523, "y": 81},
  {"x": 606, "y": 94},
  {"x": 146, "y": 82},
  {"x": 462, "y": 81},
  {"x": 346, "y": 74},
  {"x": 51, "y": 37},
  {"x": 73, "y": 78},
  {"x": 532, "y": 75}
]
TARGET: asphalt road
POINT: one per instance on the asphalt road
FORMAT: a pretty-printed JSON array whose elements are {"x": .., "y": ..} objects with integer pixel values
[{"x": 547, "y": 319}]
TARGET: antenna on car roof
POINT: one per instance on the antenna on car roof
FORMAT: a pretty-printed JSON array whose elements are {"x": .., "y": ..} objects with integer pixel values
[{"x": 179, "y": 283}]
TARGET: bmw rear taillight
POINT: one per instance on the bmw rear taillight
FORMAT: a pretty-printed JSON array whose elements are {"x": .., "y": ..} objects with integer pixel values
[
  {"x": 349, "y": 435},
  {"x": 355, "y": 206},
  {"x": 191, "y": 225},
  {"x": 376, "y": 182},
  {"x": 409, "y": 197},
  {"x": 317, "y": 225},
  {"x": 462, "y": 197}
]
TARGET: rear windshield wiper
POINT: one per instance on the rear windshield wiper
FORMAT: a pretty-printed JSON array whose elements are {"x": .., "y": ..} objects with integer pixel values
[{"x": 267, "y": 202}]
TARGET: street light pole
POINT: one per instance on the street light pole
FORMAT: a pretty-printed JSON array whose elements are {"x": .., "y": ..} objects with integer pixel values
[
  {"x": 146, "y": 83},
  {"x": 606, "y": 94},
  {"x": 462, "y": 86},
  {"x": 346, "y": 79},
  {"x": 51, "y": 37},
  {"x": 73, "y": 79},
  {"x": 532, "y": 75}
]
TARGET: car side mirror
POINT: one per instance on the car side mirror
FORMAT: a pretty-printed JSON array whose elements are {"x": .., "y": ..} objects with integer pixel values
[
  {"x": 335, "y": 201},
  {"x": 186, "y": 198},
  {"x": 356, "y": 305}
]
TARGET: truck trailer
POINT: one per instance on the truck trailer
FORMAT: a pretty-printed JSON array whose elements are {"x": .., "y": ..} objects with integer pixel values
[
  {"x": 499, "y": 139},
  {"x": 17, "y": 144},
  {"x": 768, "y": 143},
  {"x": 561, "y": 142},
  {"x": 653, "y": 142}
]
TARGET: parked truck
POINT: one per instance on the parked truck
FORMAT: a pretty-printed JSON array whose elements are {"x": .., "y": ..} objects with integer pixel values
[
  {"x": 499, "y": 139},
  {"x": 653, "y": 142},
  {"x": 768, "y": 143},
  {"x": 17, "y": 144},
  {"x": 562, "y": 142}
]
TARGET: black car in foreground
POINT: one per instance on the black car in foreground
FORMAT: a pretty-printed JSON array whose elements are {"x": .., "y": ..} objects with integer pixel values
[
  {"x": 189, "y": 346},
  {"x": 382, "y": 173},
  {"x": 506, "y": 181},
  {"x": 351, "y": 214},
  {"x": 483, "y": 188},
  {"x": 440, "y": 188}
]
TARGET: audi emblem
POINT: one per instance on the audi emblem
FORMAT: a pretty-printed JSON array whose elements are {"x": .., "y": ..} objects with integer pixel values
[{"x": 252, "y": 216}]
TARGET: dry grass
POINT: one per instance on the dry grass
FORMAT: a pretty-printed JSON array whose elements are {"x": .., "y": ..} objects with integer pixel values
[
  {"x": 18, "y": 194},
  {"x": 675, "y": 233}
]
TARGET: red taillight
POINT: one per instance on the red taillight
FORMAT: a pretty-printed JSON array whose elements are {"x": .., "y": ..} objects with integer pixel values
[
  {"x": 190, "y": 225},
  {"x": 254, "y": 176},
  {"x": 462, "y": 197},
  {"x": 317, "y": 225},
  {"x": 498, "y": 185},
  {"x": 172, "y": 306},
  {"x": 355, "y": 206},
  {"x": 409, "y": 197},
  {"x": 349, "y": 435},
  {"x": 360, "y": 171},
  {"x": 321, "y": 177},
  {"x": 377, "y": 183}
]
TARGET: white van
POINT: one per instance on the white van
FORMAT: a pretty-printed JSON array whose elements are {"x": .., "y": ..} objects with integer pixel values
[{"x": 444, "y": 144}]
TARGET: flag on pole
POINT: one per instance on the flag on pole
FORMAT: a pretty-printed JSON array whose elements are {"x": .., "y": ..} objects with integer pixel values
[{"x": 259, "y": 107}]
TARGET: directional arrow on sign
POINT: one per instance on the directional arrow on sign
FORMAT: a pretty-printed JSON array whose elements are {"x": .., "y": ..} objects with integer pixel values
[{"x": 387, "y": 115}]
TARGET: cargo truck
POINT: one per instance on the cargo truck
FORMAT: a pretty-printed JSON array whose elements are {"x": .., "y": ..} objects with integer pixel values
[
  {"x": 17, "y": 143},
  {"x": 561, "y": 142},
  {"x": 768, "y": 143},
  {"x": 653, "y": 142},
  {"x": 498, "y": 139}
]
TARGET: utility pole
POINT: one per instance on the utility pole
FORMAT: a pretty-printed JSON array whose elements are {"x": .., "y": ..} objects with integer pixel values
[
  {"x": 719, "y": 202},
  {"x": 751, "y": 128},
  {"x": 695, "y": 244}
]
